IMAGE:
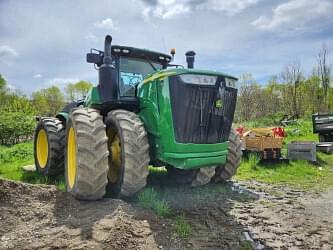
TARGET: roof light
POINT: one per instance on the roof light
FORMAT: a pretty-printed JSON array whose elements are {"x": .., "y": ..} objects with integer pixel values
[
  {"x": 126, "y": 51},
  {"x": 116, "y": 50},
  {"x": 161, "y": 57}
]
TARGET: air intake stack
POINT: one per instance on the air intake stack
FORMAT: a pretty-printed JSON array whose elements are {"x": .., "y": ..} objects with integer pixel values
[{"x": 108, "y": 79}]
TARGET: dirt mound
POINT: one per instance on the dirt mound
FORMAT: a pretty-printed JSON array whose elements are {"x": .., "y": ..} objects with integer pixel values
[
  {"x": 233, "y": 216},
  {"x": 40, "y": 216}
]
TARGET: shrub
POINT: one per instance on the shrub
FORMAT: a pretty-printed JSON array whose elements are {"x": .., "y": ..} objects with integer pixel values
[
  {"x": 15, "y": 127},
  {"x": 13, "y": 153}
]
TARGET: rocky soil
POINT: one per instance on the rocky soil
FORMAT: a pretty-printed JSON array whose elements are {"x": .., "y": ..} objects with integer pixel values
[
  {"x": 41, "y": 217},
  {"x": 232, "y": 216},
  {"x": 284, "y": 218}
]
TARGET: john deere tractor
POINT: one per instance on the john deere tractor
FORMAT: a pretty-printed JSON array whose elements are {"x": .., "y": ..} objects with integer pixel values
[{"x": 144, "y": 111}]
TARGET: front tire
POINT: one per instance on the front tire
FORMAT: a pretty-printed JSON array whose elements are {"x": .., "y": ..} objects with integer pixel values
[
  {"x": 234, "y": 157},
  {"x": 49, "y": 146},
  {"x": 129, "y": 153},
  {"x": 86, "y": 156}
]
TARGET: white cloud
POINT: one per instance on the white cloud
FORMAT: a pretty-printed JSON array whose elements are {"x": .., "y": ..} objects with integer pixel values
[
  {"x": 107, "y": 23},
  {"x": 61, "y": 82},
  {"x": 38, "y": 76},
  {"x": 295, "y": 14},
  {"x": 168, "y": 9},
  {"x": 230, "y": 7},
  {"x": 7, "y": 51}
]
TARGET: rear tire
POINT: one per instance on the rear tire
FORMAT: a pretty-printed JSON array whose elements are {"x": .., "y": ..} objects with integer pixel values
[
  {"x": 49, "y": 146},
  {"x": 129, "y": 153},
  {"x": 86, "y": 156},
  {"x": 181, "y": 176},
  {"x": 203, "y": 176},
  {"x": 234, "y": 157},
  {"x": 193, "y": 177}
]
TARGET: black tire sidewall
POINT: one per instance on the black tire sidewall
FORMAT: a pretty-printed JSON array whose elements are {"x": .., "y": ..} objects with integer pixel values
[
  {"x": 181, "y": 176},
  {"x": 114, "y": 189}
]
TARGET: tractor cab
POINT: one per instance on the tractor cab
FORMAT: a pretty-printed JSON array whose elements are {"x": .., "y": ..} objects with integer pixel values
[
  {"x": 134, "y": 65},
  {"x": 120, "y": 75}
]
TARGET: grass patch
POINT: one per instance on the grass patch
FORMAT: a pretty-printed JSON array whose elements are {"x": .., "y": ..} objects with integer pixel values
[
  {"x": 149, "y": 198},
  {"x": 300, "y": 131},
  {"x": 18, "y": 152},
  {"x": 297, "y": 173},
  {"x": 181, "y": 227},
  {"x": 13, "y": 158}
]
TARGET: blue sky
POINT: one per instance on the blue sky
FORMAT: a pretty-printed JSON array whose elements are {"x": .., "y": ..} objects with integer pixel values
[{"x": 43, "y": 43}]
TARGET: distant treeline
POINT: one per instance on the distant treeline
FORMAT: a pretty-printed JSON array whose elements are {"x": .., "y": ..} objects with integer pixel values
[
  {"x": 288, "y": 94},
  {"x": 17, "y": 111}
]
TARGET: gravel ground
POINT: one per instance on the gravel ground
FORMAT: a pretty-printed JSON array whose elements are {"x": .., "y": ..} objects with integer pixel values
[{"x": 235, "y": 216}]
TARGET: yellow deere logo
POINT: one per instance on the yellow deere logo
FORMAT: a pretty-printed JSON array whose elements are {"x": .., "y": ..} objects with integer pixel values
[{"x": 218, "y": 103}]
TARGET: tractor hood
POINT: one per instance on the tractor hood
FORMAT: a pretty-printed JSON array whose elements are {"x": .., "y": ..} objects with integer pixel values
[{"x": 180, "y": 71}]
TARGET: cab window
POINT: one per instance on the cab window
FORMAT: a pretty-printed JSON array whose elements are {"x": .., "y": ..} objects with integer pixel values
[{"x": 132, "y": 71}]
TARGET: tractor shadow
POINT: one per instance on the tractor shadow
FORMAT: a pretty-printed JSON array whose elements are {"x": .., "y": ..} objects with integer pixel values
[
  {"x": 125, "y": 224},
  {"x": 207, "y": 210}
]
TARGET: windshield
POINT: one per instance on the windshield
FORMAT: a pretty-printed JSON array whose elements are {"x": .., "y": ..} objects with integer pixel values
[{"x": 132, "y": 71}]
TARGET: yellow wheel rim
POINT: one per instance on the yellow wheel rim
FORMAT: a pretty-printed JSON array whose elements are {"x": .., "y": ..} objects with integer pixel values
[
  {"x": 115, "y": 152},
  {"x": 71, "y": 158},
  {"x": 42, "y": 148}
]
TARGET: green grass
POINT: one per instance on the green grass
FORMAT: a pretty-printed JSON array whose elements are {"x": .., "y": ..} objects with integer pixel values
[
  {"x": 149, "y": 198},
  {"x": 13, "y": 158},
  {"x": 182, "y": 227},
  {"x": 300, "y": 174},
  {"x": 301, "y": 131},
  {"x": 18, "y": 152}
]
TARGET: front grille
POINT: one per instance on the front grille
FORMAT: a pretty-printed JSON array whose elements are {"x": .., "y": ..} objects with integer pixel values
[{"x": 196, "y": 119}]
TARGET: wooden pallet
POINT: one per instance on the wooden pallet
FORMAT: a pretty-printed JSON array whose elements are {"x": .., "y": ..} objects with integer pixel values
[{"x": 262, "y": 143}]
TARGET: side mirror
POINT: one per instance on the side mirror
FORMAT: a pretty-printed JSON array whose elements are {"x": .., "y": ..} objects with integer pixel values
[{"x": 95, "y": 58}]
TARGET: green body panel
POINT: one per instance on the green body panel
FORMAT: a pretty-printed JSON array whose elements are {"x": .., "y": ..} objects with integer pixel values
[
  {"x": 93, "y": 97},
  {"x": 63, "y": 114},
  {"x": 156, "y": 113}
]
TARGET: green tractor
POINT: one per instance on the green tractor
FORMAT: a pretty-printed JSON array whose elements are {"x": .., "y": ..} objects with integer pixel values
[{"x": 144, "y": 111}]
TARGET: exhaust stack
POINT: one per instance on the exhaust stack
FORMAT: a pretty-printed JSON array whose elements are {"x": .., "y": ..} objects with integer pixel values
[{"x": 190, "y": 59}]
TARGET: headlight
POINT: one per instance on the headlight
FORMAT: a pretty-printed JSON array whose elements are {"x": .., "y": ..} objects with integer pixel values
[
  {"x": 230, "y": 82},
  {"x": 198, "y": 79}
]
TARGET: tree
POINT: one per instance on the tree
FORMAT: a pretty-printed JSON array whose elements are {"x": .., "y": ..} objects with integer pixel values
[
  {"x": 82, "y": 88},
  {"x": 292, "y": 76},
  {"x": 48, "y": 101},
  {"x": 3, "y": 83},
  {"x": 324, "y": 72},
  {"x": 246, "y": 105},
  {"x": 77, "y": 90}
]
